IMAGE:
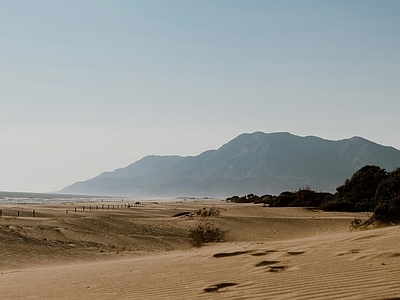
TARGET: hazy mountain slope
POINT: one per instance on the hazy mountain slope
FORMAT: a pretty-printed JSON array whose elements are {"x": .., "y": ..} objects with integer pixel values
[
  {"x": 148, "y": 165},
  {"x": 251, "y": 163}
]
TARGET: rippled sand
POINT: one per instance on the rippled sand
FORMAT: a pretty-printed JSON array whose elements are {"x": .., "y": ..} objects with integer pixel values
[{"x": 142, "y": 252}]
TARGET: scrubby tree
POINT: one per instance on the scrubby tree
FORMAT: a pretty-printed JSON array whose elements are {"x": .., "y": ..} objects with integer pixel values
[
  {"x": 387, "y": 198},
  {"x": 358, "y": 192},
  {"x": 369, "y": 189}
]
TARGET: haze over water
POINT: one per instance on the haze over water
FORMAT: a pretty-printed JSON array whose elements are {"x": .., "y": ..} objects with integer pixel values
[{"x": 42, "y": 198}]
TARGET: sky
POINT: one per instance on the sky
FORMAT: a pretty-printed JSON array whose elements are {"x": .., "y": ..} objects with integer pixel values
[{"x": 92, "y": 86}]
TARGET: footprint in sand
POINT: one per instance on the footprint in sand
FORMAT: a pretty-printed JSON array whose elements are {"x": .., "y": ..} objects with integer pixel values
[
  {"x": 272, "y": 265},
  {"x": 228, "y": 254},
  {"x": 216, "y": 287},
  {"x": 275, "y": 269},
  {"x": 295, "y": 252},
  {"x": 259, "y": 254},
  {"x": 387, "y": 255},
  {"x": 262, "y": 253},
  {"x": 349, "y": 252},
  {"x": 267, "y": 263}
]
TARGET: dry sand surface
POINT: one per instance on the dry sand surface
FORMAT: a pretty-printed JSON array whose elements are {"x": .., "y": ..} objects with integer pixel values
[{"x": 142, "y": 252}]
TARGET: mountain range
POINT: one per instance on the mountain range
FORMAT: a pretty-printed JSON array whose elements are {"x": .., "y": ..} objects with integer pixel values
[{"x": 258, "y": 163}]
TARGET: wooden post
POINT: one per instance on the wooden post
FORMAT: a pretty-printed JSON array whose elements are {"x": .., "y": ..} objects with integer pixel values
[
  {"x": 90, "y": 207},
  {"x": 33, "y": 213},
  {"x": 113, "y": 207},
  {"x": 102, "y": 206},
  {"x": 83, "y": 208},
  {"x": 18, "y": 213},
  {"x": 1, "y": 212},
  {"x": 75, "y": 209},
  {"x": 66, "y": 211}
]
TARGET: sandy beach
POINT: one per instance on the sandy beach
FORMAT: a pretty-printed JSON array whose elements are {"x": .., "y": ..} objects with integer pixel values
[{"x": 112, "y": 251}]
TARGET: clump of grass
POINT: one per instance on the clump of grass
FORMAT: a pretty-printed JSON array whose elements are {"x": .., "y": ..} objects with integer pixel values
[
  {"x": 206, "y": 231},
  {"x": 208, "y": 212},
  {"x": 356, "y": 224}
]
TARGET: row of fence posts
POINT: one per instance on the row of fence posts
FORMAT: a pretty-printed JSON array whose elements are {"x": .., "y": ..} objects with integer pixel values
[
  {"x": 19, "y": 213},
  {"x": 102, "y": 207},
  {"x": 83, "y": 209}
]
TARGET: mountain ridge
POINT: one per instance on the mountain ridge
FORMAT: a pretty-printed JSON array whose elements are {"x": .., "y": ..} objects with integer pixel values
[{"x": 263, "y": 163}]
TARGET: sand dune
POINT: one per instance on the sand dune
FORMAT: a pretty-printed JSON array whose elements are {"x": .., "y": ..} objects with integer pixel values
[{"x": 143, "y": 253}]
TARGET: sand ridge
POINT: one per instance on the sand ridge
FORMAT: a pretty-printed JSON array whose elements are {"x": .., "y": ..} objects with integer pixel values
[{"x": 289, "y": 253}]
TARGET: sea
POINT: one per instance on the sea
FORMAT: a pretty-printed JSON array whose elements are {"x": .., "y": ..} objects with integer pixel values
[{"x": 22, "y": 197}]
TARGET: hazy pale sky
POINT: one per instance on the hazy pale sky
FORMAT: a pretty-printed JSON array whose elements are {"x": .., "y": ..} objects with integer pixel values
[{"x": 91, "y": 86}]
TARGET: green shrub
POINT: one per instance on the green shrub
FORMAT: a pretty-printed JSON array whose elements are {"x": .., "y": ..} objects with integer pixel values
[
  {"x": 361, "y": 187},
  {"x": 337, "y": 205},
  {"x": 387, "y": 199},
  {"x": 250, "y": 198},
  {"x": 388, "y": 212},
  {"x": 366, "y": 205},
  {"x": 301, "y": 198}
]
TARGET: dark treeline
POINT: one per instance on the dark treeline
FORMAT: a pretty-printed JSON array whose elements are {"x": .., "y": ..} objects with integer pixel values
[
  {"x": 303, "y": 197},
  {"x": 370, "y": 189}
]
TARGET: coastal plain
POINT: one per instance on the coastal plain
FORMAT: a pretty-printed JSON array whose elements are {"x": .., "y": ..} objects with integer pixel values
[{"x": 119, "y": 250}]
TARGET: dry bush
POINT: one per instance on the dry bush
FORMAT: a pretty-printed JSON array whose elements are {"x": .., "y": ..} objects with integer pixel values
[
  {"x": 356, "y": 224},
  {"x": 206, "y": 232},
  {"x": 209, "y": 212}
]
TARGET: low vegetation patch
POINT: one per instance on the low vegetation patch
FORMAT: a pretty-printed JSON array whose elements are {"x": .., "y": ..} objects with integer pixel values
[
  {"x": 370, "y": 189},
  {"x": 302, "y": 198},
  {"x": 206, "y": 232},
  {"x": 208, "y": 212},
  {"x": 356, "y": 224}
]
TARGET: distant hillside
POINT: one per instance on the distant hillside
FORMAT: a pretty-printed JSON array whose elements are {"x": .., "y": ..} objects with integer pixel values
[{"x": 259, "y": 163}]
